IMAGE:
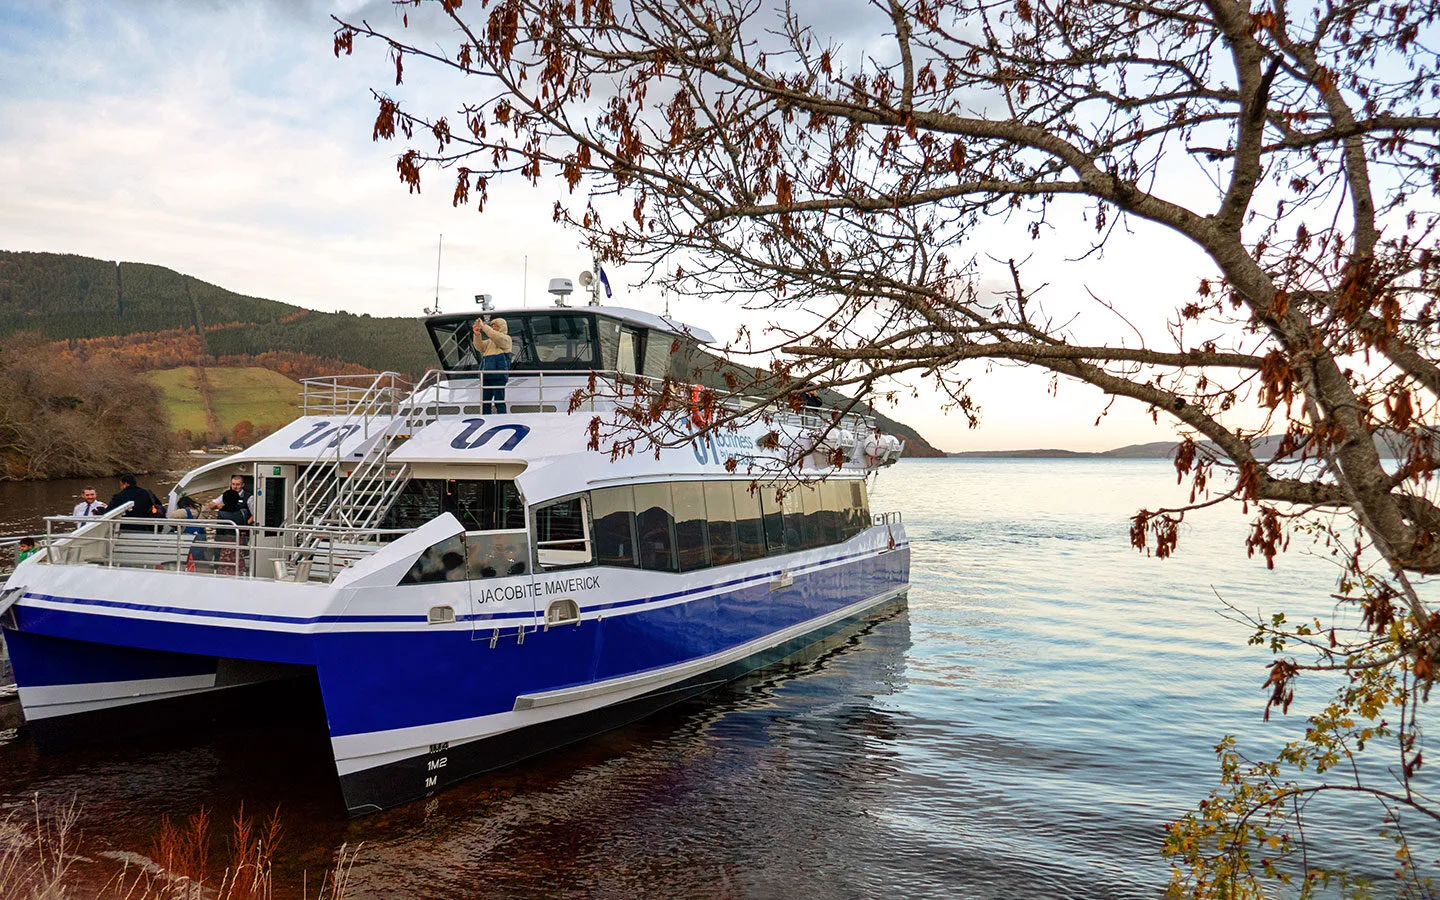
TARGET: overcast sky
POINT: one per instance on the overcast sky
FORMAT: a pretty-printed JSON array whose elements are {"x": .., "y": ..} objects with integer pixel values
[{"x": 224, "y": 140}]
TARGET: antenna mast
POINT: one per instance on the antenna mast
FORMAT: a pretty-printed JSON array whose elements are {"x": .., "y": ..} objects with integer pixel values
[{"x": 440, "y": 249}]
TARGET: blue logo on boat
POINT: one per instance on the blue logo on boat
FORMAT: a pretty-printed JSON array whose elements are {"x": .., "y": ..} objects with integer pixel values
[
  {"x": 466, "y": 439},
  {"x": 319, "y": 432}
]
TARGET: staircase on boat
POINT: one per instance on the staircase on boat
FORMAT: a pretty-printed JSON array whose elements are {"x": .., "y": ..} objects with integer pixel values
[{"x": 349, "y": 494}]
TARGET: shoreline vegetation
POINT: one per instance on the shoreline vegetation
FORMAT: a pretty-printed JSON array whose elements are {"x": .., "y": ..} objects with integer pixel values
[
  {"x": 43, "y": 856},
  {"x": 59, "y": 420}
]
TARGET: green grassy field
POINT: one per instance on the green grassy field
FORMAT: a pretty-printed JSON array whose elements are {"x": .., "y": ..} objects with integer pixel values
[{"x": 260, "y": 395}]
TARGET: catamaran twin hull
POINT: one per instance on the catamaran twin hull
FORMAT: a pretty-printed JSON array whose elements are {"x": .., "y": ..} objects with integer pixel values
[{"x": 413, "y": 706}]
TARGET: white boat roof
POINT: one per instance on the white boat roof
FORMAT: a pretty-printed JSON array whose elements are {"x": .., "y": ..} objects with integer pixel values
[{"x": 552, "y": 449}]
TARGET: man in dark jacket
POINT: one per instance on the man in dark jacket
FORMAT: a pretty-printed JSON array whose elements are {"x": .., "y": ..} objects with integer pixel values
[{"x": 145, "y": 504}]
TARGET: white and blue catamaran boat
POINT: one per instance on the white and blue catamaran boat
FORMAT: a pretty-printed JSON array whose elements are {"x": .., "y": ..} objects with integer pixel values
[{"x": 469, "y": 586}]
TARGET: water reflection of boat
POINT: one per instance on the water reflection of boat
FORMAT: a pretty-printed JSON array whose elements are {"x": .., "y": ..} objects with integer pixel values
[{"x": 467, "y": 582}]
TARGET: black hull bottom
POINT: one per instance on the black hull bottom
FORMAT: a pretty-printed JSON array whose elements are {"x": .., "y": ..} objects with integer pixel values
[
  {"x": 290, "y": 702},
  {"x": 383, "y": 787}
]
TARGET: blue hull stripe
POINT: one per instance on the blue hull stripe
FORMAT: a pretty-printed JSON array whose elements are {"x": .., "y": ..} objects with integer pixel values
[{"x": 325, "y": 620}]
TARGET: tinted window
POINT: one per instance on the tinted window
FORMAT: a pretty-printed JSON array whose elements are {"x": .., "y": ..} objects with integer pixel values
[
  {"x": 654, "y": 527},
  {"x": 444, "y": 561},
  {"x": 560, "y": 524},
  {"x": 775, "y": 521},
  {"x": 811, "y": 531},
  {"x": 613, "y": 511},
  {"x": 419, "y": 502},
  {"x": 479, "y": 505},
  {"x": 720, "y": 511},
  {"x": 608, "y": 333},
  {"x": 688, "y": 498},
  {"x": 836, "y": 497},
  {"x": 657, "y": 353},
  {"x": 749, "y": 532},
  {"x": 858, "y": 514},
  {"x": 497, "y": 554}
]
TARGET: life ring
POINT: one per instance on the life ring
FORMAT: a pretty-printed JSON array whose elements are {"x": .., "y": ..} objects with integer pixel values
[{"x": 699, "y": 415}]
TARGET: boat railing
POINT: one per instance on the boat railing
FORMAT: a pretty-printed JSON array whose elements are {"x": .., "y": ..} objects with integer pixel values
[
  {"x": 363, "y": 404},
  {"x": 458, "y": 392},
  {"x": 208, "y": 546},
  {"x": 887, "y": 518},
  {"x": 340, "y": 395}
]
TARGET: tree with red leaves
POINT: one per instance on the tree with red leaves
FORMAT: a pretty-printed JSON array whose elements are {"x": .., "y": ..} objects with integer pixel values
[{"x": 732, "y": 150}]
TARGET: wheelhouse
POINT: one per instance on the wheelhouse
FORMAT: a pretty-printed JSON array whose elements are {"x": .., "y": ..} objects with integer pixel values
[{"x": 610, "y": 339}]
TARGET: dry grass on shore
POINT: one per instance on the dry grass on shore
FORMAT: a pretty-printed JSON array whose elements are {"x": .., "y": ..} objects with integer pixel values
[{"x": 41, "y": 858}]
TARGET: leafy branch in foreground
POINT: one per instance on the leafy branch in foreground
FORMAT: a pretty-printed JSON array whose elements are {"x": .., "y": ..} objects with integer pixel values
[{"x": 740, "y": 151}]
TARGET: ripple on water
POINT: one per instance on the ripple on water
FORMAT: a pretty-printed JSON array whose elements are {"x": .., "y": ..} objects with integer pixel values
[{"x": 1048, "y": 702}]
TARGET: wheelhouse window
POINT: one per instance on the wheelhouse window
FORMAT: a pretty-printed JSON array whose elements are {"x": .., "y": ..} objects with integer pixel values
[
  {"x": 554, "y": 341},
  {"x": 542, "y": 341}
]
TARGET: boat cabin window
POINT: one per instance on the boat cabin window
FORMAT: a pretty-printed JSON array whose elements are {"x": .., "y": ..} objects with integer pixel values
[
  {"x": 484, "y": 504},
  {"x": 688, "y": 525},
  {"x": 497, "y": 554},
  {"x": 472, "y": 557},
  {"x": 562, "y": 533},
  {"x": 613, "y": 512}
]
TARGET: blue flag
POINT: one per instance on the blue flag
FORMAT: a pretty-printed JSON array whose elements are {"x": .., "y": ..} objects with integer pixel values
[{"x": 605, "y": 283}]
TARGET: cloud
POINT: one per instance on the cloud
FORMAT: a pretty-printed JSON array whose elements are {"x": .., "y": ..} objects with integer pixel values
[{"x": 224, "y": 140}]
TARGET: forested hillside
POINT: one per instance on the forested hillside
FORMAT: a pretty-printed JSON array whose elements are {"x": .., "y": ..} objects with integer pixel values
[
  {"x": 59, "y": 420},
  {"x": 152, "y": 318},
  {"x": 73, "y": 298}
]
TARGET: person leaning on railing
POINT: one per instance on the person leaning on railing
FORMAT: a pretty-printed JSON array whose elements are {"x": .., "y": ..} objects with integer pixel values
[{"x": 494, "y": 352}]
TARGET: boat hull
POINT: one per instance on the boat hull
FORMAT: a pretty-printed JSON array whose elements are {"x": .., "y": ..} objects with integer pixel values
[
  {"x": 446, "y": 763},
  {"x": 413, "y": 705}
]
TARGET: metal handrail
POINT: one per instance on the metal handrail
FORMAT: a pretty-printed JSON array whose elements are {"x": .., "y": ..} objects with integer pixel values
[
  {"x": 69, "y": 548},
  {"x": 435, "y": 378},
  {"x": 887, "y": 518}
]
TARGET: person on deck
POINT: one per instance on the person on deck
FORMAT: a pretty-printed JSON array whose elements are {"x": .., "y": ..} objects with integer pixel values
[
  {"x": 26, "y": 549},
  {"x": 188, "y": 510},
  {"x": 494, "y": 350},
  {"x": 236, "y": 504},
  {"x": 144, "y": 504},
  {"x": 89, "y": 504},
  {"x": 236, "y": 507}
]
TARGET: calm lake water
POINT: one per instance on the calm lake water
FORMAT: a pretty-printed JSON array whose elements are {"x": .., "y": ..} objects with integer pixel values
[{"x": 1047, "y": 703}]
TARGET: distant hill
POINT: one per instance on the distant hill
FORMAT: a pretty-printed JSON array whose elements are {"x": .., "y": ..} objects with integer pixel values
[
  {"x": 1154, "y": 450},
  {"x": 73, "y": 298},
  {"x": 158, "y": 319}
]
